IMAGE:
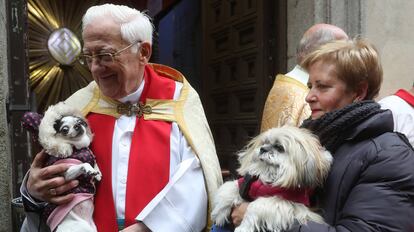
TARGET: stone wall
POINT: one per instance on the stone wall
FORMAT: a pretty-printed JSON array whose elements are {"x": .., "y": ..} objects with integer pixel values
[
  {"x": 389, "y": 25},
  {"x": 5, "y": 159},
  {"x": 301, "y": 14}
]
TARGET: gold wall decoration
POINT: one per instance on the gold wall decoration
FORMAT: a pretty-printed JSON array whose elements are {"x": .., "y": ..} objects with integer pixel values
[{"x": 54, "y": 27}]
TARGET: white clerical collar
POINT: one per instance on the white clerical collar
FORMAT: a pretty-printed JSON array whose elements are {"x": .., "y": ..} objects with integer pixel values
[
  {"x": 299, "y": 74},
  {"x": 134, "y": 97}
]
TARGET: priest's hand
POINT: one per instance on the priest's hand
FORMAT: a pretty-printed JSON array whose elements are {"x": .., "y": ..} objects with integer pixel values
[
  {"x": 238, "y": 212},
  {"x": 137, "y": 227},
  {"x": 47, "y": 183}
]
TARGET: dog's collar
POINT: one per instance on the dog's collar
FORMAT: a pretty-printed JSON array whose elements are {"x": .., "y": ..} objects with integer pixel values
[{"x": 254, "y": 188}]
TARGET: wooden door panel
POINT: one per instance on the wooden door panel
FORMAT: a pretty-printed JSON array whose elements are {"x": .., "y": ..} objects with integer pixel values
[
  {"x": 244, "y": 47},
  {"x": 238, "y": 59}
]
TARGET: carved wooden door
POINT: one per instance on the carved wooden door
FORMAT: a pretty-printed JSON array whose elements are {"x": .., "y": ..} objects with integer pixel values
[{"x": 243, "y": 44}]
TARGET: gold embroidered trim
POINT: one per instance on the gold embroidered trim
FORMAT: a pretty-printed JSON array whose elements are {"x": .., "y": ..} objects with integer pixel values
[{"x": 129, "y": 109}]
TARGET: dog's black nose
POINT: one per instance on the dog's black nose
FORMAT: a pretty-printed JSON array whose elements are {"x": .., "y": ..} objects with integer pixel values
[{"x": 263, "y": 150}]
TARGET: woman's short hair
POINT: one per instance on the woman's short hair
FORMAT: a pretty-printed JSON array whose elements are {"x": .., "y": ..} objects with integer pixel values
[
  {"x": 134, "y": 25},
  {"x": 356, "y": 61}
]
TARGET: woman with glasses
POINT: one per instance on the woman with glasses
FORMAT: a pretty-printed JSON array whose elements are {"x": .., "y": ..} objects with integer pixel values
[{"x": 151, "y": 138}]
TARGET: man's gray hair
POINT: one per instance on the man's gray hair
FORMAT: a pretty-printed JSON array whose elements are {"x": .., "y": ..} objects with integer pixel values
[
  {"x": 311, "y": 41},
  {"x": 134, "y": 25}
]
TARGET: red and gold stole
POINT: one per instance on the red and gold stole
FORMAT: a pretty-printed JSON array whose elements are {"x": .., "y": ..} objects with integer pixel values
[{"x": 149, "y": 159}]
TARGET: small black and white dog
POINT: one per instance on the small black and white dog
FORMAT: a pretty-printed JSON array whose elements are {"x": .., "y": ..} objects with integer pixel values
[
  {"x": 65, "y": 136},
  {"x": 62, "y": 129},
  {"x": 74, "y": 130},
  {"x": 280, "y": 167}
]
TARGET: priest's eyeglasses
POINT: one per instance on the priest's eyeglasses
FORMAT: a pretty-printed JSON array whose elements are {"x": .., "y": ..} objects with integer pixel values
[{"x": 105, "y": 58}]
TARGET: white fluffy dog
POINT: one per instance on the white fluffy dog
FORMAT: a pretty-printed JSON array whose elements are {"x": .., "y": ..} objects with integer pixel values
[
  {"x": 280, "y": 167},
  {"x": 65, "y": 136}
]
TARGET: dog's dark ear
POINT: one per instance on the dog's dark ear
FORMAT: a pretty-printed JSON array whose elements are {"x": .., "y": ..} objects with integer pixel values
[
  {"x": 82, "y": 122},
  {"x": 57, "y": 125}
]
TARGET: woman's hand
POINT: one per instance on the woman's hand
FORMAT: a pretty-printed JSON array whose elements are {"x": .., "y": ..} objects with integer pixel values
[
  {"x": 137, "y": 227},
  {"x": 238, "y": 212},
  {"x": 47, "y": 183}
]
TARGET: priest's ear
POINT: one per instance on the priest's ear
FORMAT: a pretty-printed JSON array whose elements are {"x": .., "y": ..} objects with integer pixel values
[{"x": 145, "y": 51}]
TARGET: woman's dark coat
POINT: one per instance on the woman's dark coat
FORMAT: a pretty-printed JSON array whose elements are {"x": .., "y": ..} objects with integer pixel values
[{"x": 371, "y": 183}]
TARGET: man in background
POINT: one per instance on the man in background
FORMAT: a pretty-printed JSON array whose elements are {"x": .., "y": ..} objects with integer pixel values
[{"x": 285, "y": 103}]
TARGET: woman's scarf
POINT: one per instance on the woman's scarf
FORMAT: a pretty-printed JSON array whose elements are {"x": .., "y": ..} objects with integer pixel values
[{"x": 333, "y": 127}]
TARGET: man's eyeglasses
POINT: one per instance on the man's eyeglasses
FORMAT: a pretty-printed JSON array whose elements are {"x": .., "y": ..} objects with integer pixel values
[{"x": 105, "y": 58}]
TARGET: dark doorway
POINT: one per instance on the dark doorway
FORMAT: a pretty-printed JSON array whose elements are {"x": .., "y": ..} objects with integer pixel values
[
  {"x": 179, "y": 40},
  {"x": 230, "y": 52},
  {"x": 244, "y": 46}
]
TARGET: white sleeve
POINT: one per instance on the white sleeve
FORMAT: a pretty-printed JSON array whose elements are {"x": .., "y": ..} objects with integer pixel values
[
  {"x": 403, "y": 115},
  {"x": 182, "y": 204},
  {"x": 33, "y": 211},
  {"x": 25, "y": 194}
]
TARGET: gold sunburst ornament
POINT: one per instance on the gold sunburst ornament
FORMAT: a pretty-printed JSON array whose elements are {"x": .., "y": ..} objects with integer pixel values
[
  {"x": 64, "y": 46},
  {"x": 54, "y": 44}
]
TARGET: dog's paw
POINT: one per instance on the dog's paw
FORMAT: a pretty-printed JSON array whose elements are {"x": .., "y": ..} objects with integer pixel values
[
  {"x": 226, "y": 197},
  {"x": 73, "y": 172},
  {"x": 221, "y": 215},
  {"x": 76, "y": 170},
  {"x": 221, "y": 219},
  {"x": 243, "y": 229},
  {"x": 89, "y": 170},
  {"x": 98, "y": 176},
  {"x": 249, "y": 223}
]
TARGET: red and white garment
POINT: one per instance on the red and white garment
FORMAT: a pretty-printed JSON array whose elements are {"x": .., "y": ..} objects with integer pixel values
[{"x": 401, "y": 105}]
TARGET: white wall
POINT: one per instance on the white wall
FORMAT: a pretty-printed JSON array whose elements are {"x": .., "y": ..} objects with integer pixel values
[{"x": 389, "y": 24}]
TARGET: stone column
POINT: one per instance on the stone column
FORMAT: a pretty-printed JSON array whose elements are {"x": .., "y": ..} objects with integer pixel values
[
  {"x": 301, "y": 14},
  {"x": 5, "y": 159}
]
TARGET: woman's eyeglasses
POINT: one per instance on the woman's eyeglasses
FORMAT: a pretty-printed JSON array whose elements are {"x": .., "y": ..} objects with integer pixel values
[{"x": 105, "y": 58}]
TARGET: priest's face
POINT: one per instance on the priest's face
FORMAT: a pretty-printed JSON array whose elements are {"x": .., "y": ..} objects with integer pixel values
[{"x": 117, "y": 70}]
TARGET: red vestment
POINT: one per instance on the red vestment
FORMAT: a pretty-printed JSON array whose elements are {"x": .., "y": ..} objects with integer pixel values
[{"x": 149, "y": 160}]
